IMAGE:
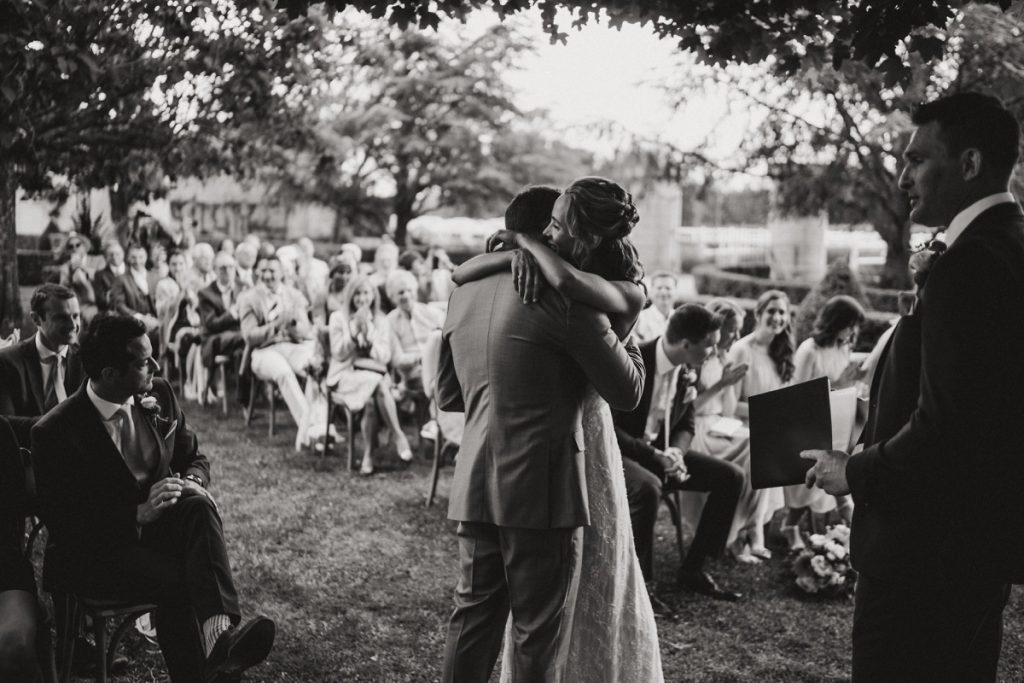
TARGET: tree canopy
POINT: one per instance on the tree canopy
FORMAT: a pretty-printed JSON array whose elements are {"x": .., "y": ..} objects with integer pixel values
[{"x": 879, "y": 33}]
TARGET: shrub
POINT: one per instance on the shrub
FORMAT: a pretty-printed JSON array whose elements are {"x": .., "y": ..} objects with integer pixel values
[
  {"x": 32, "y": 266},
  {"x": 715, "y": 282}
]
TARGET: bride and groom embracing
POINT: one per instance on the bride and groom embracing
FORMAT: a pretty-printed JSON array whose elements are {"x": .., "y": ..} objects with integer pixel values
[{"x": 538, "y": 490}]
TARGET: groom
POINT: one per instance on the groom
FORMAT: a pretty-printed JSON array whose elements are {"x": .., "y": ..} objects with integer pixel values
[
  {"x": 519, "y": 493},
  {"x": 938, "y": 530}
]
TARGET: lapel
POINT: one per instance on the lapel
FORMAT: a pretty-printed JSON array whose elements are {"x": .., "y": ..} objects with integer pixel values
[
  {"x": 648, "y": 354},
  {"x": 149, "y": 423},
  {"x": 33, "y": 370},
  {"x": 73, "y": 377},
  {"x": 677, "y": 399}
]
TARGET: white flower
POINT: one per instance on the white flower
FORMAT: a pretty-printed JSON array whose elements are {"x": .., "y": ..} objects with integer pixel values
[
  {"x": 149, "y": 404},
  {"x": 820, "y": 565},
  {"x": 807, "y": 584},
  {"x": 817, "y": 541}
]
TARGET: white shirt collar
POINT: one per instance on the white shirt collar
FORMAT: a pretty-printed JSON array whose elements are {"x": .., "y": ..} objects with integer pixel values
[
  {"x": 105, "y": 408},
  {"x": 118, "y": 270},
  {"x": 224, "y": 289},
  {"x": 663, "y": 365},
  {"x": 45, "y": 353},
  {"x": 960, "y": 222}
]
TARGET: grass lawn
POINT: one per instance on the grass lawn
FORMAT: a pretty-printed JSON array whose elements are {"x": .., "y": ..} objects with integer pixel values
[{"x": 358, "y": 575}]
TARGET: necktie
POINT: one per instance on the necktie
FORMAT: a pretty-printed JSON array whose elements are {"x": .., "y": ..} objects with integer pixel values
[
  {"x": 53, "y": 388},
  {"x": 127, "y": 431},
  {"x": 670, "y": 393}
]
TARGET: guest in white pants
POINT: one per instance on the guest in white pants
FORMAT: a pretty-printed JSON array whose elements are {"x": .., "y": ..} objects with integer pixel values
[{"x": 275, "y": 324}]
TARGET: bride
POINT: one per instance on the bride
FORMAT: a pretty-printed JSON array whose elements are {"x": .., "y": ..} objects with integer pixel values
[{"x": 608, "y": 633}]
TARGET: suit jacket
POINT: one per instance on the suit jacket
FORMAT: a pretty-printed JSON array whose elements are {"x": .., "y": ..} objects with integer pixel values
[
  {"x": 253, "y": 309},
  {"x": 21, "y": 384},
  {"x": 630, "y": 426},
  {"x": 87, "y": 494},
  {"x": 102, "y": 283},
  {"x": 213, "y": 313},
  {"x": 960, "y": 456},
  {"x": 128, "y": 299},
  {"x": 520, "y": 373}
]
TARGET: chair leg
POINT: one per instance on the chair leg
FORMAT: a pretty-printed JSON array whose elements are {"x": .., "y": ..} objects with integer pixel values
[
  {"x": 99, "y": 634},
  {"x": 273, "y": 407},
  {"x": 118, "y": 635},
  {"x": 350, "y": 424},
  {"x": 674, "y": 507},
  {"x": 45, "y": 651},
  {"x": 327, "y": 428},
  {"x": 223, "y": 388},
  {"x": 253, "y": 390},
  {"x": 69, "y": 621},
  {"x": 438, "y": 453}
]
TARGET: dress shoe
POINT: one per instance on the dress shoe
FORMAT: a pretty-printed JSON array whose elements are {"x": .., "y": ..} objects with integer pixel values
[
  {"x": 701, "y": 582},
  {"x": 238, "y": 649}
]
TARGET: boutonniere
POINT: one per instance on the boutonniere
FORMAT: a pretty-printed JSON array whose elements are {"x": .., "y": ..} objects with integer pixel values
[
  {"x": 148, "y": 404},
  {"x": 689, "y": 377}
]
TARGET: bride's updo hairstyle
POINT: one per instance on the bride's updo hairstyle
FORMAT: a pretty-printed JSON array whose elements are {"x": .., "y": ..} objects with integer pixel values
[{"x": 600, "y": 216}]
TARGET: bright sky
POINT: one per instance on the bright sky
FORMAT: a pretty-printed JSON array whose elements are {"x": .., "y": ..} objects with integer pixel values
[{"x": 603, "y": 74}]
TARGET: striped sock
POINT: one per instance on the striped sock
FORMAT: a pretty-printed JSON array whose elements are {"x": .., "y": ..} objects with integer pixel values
[{"x": 212, "y": 629}]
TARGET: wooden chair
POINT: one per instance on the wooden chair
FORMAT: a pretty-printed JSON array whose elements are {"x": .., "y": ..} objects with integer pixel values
[
  {"x": 75, "y": 609},
  {"x": 449, "y": 425},
  {"x": 219, "y": 369},
  {"x": 673, "y": 501},
  {"x": 350, "y": 425},
  {"x": 256, "y": 386}
]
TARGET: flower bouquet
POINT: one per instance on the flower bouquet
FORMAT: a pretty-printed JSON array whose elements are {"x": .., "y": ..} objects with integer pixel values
[{"x": 823, "y": 568}]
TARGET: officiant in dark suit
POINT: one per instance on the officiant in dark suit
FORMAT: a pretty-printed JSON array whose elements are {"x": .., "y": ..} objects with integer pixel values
[
  {"x": 122, "y": 487},
  {"x": 938, "y": 527},
  {"x": 655, "y": 442},
  {"x": 38, "y": 373}
]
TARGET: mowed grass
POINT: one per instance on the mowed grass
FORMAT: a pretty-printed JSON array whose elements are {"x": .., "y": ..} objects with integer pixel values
[{"x": 358, "y": 574}]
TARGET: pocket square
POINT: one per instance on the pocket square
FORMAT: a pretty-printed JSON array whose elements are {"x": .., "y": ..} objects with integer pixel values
[{"x": 171, "y": 428}]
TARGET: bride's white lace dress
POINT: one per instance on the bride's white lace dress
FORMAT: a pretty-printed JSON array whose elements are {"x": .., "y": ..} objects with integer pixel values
[{"x": 608, "y": 632}]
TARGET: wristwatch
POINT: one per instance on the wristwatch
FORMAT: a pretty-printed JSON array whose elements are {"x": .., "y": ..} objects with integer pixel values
[{"x": 196, "y": 479}]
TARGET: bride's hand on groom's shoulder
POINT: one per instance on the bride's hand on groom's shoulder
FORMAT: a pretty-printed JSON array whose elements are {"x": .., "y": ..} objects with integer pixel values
[
  {"x": 502, "y": 240},
  {"x": 526, "y": 276}
]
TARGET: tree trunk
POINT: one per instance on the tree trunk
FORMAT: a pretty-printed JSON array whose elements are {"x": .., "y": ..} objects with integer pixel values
[
  {"x": 10, "y": 294},
  {"x": 403, "y": 214},
  {"x": 895, "y": 273}
]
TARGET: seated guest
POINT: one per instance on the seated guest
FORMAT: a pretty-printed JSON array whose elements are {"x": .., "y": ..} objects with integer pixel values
[
  {"x": 385, "y": 261},
  {"x": 767, "y": 353},
  {"x": 19, "y": 613},
  {"x": 353, "y": 250},
  {"x": 39, "y": 372},
  {"x": 357, "y": 375},
  {"x": 654, "y": 319},
  {"x": 218, "y": 311},
  {"x": 134, "y": 293},
  {"x": 343, "y": 270},
  {"x": 311, "y": 277},
  {"x": 717, "y": 376},
  {"x": 75, "y": 277},
  {"x": 274, "y": 320},
  {"x": 245, "y": 260},
  {"x": 177, "y": 307},
  {"x": 826, "y": 353},
  {"x": 202, "y": 273},
  {"x": 413, "y": 262},
  {"x": 158, "y": 261},
  {"x": 226, "y": 246},
  {"x": 103, "y": 280},
  {"x": 655, "y": 439},
  {"x": 411, "y": 323},
  {"x": 122, "y": 487}
]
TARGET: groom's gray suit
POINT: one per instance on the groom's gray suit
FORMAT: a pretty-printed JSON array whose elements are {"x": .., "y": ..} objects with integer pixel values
[{"x": 519, "y": 490}]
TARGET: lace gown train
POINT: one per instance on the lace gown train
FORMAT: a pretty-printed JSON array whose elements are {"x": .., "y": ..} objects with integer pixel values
[{"x": 609, "y": 633}]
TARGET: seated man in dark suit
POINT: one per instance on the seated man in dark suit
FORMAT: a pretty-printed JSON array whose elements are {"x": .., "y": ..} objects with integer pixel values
[
  {"x": 655, "y": 443},
  {"x": 218, "y": 310},
  {"x": 122, "y": 488},
  {"x": 41, "y": 371},
  {"x": 103, "y": 280}
]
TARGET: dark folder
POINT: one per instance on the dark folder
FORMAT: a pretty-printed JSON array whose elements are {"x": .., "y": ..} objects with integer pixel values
[{"x": 783, "y": 423}]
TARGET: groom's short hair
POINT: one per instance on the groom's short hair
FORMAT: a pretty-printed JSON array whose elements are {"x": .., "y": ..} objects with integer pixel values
[
  {"x": 530, "y": 211},
  {"x": 691, "y": 322},
  {"x": 104, "y": 343}
]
